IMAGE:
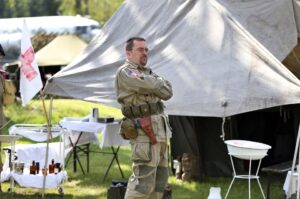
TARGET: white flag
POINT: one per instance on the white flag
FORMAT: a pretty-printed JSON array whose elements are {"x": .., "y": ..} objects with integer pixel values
[{"x": 30, "y": 78}]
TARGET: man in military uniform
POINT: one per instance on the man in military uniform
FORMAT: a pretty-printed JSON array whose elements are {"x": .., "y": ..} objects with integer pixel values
[
  {"x": 2, "y": 54},
  {"x": 140, "y": 92}
]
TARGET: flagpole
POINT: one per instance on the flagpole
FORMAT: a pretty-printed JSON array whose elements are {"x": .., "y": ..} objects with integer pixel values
[
  {"x": 31, "y": 83},
  {"x": 49, "y": 136}
]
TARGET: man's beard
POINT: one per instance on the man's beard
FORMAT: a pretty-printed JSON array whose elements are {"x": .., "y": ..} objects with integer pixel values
[{"x": 143, "y": 61}]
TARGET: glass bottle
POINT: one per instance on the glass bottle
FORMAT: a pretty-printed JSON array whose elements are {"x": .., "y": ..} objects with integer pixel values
[
  {"x": 32, "y": 168},
  {"x": 51, "y": 167}
]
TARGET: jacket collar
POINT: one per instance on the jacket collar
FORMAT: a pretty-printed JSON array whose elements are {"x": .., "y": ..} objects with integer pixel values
[{"x": 134, "y": 65}]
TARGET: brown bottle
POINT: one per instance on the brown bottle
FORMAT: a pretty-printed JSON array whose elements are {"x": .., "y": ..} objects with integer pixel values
[
  {"x": 32, "y": 168},
  {"x": 51, "y": 166}
]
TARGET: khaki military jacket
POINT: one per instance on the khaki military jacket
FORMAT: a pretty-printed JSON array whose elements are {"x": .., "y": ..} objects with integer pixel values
[
  {"x": 137, "y": 85},
  {"x": 2, "y": 118}
]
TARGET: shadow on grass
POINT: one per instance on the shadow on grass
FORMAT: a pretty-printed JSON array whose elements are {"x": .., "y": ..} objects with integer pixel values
[{"x": 99, "y": 164}]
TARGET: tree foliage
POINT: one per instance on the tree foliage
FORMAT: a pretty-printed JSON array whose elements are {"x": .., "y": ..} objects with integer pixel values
[
  {"x": 28, "y": 8},
  {"x": 99, "y": 10}
]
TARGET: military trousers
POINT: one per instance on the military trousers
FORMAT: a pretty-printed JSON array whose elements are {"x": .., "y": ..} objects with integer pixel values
[{"x": 149, "y": 171}]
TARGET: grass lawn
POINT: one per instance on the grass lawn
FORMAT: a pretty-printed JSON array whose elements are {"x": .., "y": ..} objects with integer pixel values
[{"x": 91, "y": 185}]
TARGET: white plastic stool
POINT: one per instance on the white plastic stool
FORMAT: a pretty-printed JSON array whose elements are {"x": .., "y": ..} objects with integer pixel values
[{"x": 249, "y": 177}]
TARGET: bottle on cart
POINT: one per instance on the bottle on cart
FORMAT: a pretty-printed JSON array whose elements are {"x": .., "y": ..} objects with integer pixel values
[
  {"x": 32, "y": 168},
  {"x": 37, "y": 166},
  {"x": 51, "y": 167}
]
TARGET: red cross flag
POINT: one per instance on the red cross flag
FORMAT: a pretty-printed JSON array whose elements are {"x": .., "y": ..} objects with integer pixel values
[{"x": 30, "y": 78}]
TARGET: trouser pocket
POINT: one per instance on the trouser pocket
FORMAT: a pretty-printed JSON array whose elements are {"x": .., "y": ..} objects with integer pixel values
[{"x": 141, "y": 152}]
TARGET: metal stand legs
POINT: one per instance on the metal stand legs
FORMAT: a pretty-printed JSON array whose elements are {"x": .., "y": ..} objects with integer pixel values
[{"x": 249, "y": 177}]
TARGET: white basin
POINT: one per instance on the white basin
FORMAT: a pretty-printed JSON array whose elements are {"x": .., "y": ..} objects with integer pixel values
[{"x": 244, "y": 149}]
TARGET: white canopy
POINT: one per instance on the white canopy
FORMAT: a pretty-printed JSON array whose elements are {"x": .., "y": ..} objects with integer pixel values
[{"x": 217, "y": 68}]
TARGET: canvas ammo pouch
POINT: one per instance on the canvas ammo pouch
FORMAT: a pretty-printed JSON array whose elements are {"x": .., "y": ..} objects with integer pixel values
[
  {"x": 142, "y": 110},
  {"x": 128, "y": 129}
]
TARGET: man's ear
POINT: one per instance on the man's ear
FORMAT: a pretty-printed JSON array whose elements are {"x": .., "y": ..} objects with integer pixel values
[{"x": 128, "y": 54}]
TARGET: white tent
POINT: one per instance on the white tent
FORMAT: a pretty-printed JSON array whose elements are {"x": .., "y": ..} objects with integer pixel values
[{"x": 208, "y": 49}]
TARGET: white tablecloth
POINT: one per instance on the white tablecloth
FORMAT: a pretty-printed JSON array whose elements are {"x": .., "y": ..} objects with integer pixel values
[
  {"x": 36, "y": 181},
  {"x": 35, "y": 132},
  {"x": 110, "y": 131},
  {"x": 26, "y": 153}
]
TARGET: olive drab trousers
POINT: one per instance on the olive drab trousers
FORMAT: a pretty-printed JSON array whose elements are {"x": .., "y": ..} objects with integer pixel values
[{"x": 150, "y": 171}]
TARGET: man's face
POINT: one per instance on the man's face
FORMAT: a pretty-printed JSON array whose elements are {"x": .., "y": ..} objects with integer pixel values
[{"x": 139, "y": 53}]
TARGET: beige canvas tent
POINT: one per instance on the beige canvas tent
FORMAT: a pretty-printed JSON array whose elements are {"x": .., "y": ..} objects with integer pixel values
[{"x": 60, "y": 51}]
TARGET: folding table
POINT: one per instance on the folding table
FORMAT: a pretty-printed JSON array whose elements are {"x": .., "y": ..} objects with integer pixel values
[{"x": 110, "y": 138}]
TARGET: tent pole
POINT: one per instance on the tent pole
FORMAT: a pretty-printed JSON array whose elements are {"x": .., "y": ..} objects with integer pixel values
[
  {"x": 298, "y": 178},
  {"x": 49, "y": 136}
]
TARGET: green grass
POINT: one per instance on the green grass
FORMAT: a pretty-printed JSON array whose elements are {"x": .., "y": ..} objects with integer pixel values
[{"x": 91, "y": 185}]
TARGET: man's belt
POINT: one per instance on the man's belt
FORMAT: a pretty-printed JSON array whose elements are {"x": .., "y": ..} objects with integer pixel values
[{"x": 142, "y": 110}]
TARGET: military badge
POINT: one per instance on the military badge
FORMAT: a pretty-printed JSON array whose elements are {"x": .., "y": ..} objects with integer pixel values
[{"x": 132, "y": 72}]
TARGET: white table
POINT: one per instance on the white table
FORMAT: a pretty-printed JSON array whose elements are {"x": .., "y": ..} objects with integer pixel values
[
  {"x": 110, "y": 138},
  {"x": 110, "y": 135}
]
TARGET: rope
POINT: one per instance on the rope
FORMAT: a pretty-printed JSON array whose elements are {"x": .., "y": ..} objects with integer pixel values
[
  {"x": 223, "y": 131},
  {"x": 144, "y": 176}
]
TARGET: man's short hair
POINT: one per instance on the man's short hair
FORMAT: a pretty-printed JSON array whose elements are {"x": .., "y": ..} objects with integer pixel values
[
  {"x": 1, "y": 51},
  {"x": 129, "y": 42}
]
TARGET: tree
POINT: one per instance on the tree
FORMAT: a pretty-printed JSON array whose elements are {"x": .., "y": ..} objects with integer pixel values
[
  {"x": 28, "y": 8},
  {"x": 99, "y": 10}
]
